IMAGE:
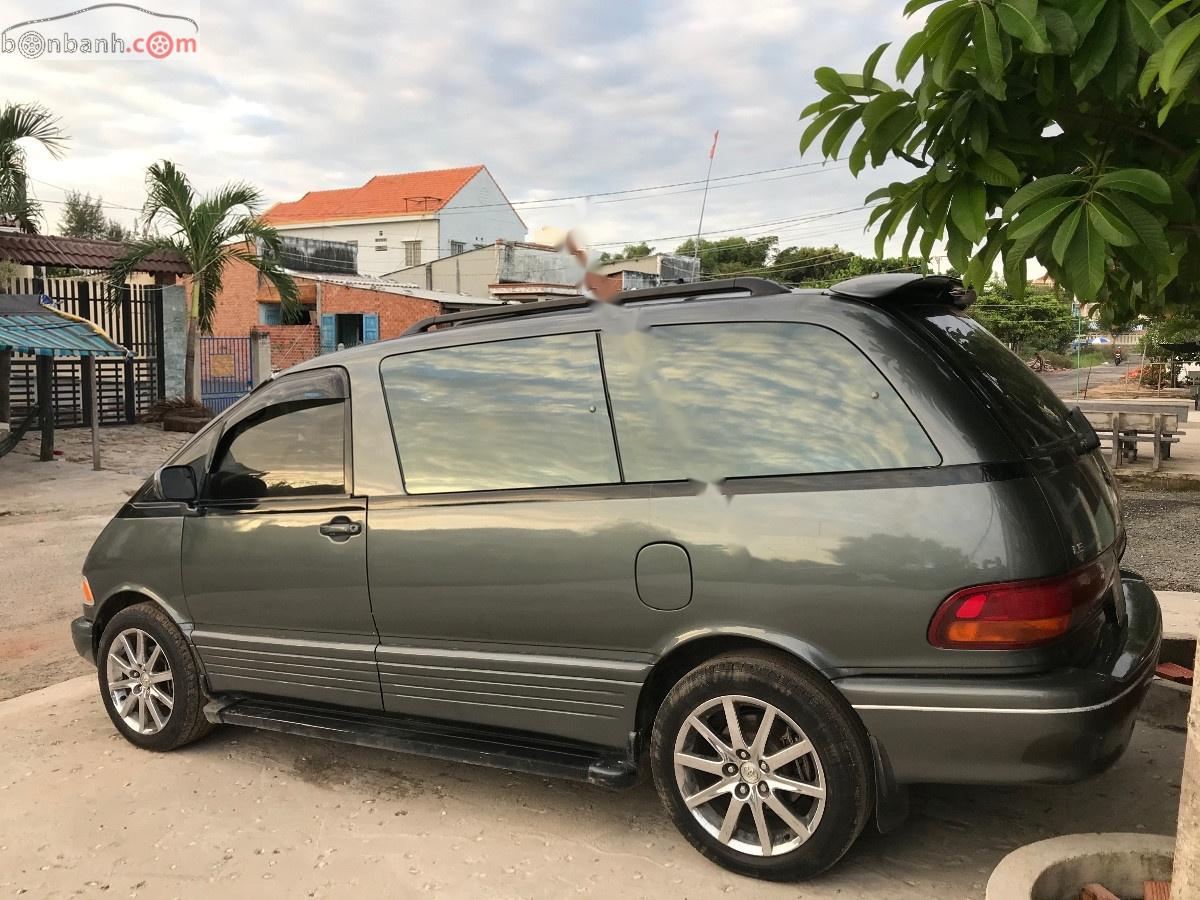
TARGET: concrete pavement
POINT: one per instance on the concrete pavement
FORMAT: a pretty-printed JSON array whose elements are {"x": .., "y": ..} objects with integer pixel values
[{"x": 247, "y": 814}]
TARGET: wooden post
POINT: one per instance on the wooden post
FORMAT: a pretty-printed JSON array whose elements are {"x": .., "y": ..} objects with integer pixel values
[
  {"x": 91, "y": 387},
  {"x": 45, "y": 393},
  {"x": 5, "y": 382},
  {"x": 1185, "y": 879}
]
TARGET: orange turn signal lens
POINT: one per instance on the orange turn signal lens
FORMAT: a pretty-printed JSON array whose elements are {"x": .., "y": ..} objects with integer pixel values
[
  {"x": 88, "y": 599},
  {"x": 1014, "y": 615}
]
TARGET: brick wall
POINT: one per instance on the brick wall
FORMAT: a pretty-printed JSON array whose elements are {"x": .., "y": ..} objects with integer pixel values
[
  {"x": 236, "y": 313},
  {"x": 290, "y": 344},
  {"x": 237, "y": 305},
  {"x": 396, "y": 311}
]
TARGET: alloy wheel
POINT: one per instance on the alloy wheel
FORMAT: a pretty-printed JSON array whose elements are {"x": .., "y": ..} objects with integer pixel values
[
  {"x": 749, "y": 775},
  {"x": 140, "y": 682}
]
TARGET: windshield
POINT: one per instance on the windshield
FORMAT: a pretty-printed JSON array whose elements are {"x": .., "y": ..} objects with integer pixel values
[{"x": 1035, "y": 417}]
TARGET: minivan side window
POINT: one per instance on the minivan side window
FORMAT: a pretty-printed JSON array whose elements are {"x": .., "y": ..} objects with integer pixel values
[
  {"x": 523, "y": 413},
  {"x": 288, "y": 442},
  {"x": 741, "y": 399}
]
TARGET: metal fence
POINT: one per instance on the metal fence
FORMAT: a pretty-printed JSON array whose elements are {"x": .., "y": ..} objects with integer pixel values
[
  {"x": 224, "y": 371},
  {"x": 127, "y": 387}
]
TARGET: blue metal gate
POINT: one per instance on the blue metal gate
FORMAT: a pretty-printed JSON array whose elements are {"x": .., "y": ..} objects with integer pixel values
[{"x": 224, "y": 371}]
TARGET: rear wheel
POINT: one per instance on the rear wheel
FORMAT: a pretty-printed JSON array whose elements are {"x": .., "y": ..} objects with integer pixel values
[
  {"x": 762, "y": 766},
  {"x": 149, "y": 680}
]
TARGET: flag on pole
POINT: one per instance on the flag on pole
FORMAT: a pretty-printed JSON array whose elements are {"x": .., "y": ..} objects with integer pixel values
[{"x": 713, "y": 150}]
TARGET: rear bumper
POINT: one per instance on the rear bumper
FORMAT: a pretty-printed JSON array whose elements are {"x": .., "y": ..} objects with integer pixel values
[
  {"x": 81, "y": 634},
  {"x": 1058, "y": 726}
]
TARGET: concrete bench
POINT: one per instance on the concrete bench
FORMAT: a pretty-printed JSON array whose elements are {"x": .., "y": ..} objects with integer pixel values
[{"x": 1125, "y": 430}]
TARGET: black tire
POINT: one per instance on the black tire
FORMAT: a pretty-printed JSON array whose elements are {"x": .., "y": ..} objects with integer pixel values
[
  {"x": 836, "y": 734},
  {"x": 185, "y": 721}
]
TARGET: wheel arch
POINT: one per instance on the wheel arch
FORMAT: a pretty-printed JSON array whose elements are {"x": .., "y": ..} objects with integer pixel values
[
  {"x": 122, "y": 598},
  {"x": 685, "y": 654}
]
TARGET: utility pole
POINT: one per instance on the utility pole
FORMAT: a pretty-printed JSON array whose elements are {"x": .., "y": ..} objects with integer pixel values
[{"x": 712, "y": 152}]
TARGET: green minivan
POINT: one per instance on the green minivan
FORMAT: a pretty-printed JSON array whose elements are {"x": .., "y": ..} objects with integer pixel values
[{"x": 789, "y": 550}]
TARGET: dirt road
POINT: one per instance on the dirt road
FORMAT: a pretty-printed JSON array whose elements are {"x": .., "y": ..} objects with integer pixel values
[
  {"x": 247, "y": 814},
  {"x": 49, "y": 515}
]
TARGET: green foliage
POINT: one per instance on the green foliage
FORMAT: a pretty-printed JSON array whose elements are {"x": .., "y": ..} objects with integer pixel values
[
  {"x": 1037, "y": 320},
  {"x": 21, "y": 123},
  {"x": 631, "y": 251},
  {"x": 730, "y": 255},
  {"x": 1066, "y": 131},
  {"x": 84, "y": 217}
]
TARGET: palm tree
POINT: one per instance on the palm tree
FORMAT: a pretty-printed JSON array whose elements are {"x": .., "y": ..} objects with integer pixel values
[
  {"x": 210, "y": 232},
  {"x": 19, "y": 122}
]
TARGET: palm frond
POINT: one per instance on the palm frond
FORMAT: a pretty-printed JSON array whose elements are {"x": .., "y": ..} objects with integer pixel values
[
  {"x": 32, "y": 121},
  {"x": 169, "y": 194},
  {"x": 135, "y": 254}
]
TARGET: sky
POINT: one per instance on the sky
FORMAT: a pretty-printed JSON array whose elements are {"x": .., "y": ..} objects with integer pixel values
[{"x": 563, "y": 99}]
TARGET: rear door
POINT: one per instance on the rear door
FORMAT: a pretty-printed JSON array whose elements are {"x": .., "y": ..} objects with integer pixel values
[
  {"x": 274, "y": 557},
  {"x": 503, "y": 579}
]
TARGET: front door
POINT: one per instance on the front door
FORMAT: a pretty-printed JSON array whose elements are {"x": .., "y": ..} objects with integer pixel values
[{"x": 274, "y": 557}]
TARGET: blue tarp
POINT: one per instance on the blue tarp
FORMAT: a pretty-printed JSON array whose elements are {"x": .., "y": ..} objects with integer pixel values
[{"x": 28, "y": 325}]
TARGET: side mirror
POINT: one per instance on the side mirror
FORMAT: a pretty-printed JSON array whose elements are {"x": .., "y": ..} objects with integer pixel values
[{"x": 177, "y": 483}]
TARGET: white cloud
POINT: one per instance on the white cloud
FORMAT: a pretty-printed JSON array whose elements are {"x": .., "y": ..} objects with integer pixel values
[{"x": 557, "y": 99}]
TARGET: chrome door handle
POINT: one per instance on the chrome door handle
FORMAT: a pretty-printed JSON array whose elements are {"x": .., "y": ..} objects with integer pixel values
[{"x": 341, "y": 528}]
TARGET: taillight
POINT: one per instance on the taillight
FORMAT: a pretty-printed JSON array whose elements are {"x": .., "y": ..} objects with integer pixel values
[{"x": 1013, "y": 615}]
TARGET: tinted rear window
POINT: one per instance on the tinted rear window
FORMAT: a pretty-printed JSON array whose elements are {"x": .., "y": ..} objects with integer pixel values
[
  {"x": 1025, "y": 404},
  {"x": 745, "y": 399}
]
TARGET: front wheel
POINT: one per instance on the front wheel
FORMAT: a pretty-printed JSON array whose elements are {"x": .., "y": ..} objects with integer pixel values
[
  {"x": 149, "y": 680},
  {"x": 762, "y": 766}
]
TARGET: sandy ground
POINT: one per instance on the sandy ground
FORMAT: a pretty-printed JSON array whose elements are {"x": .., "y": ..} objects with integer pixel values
[
  {"x": 256, "y": 815},
  {"x": 49, "y": 515}
]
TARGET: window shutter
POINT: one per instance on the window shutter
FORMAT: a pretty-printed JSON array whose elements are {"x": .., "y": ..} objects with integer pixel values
[
  {"x": 370, "y": 327},
  {"x": 328, "y": 333}
]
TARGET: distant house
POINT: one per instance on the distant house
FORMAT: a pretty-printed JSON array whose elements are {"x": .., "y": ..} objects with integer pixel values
[
  {"x": 405, "y": 220},
  {"x": 502, "y": 262},
  {"x": 662, "y": 268}
]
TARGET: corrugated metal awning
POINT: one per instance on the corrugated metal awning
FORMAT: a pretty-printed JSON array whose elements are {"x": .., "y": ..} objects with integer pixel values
[{"x": 29, "y": 326}]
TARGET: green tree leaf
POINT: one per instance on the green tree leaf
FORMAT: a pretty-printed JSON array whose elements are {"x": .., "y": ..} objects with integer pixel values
[
  {"x": 993, "y": 167},
  {"x": 967, "y": 210},
  {"x": 1147, "y": 228},
  {"x": 989, "y": 55},
  {"x": 1036, "y": 190},
  {"x": 1146, "y": 184},
  {"x": 1097, "y": 47},
  {"x": 1177, "y": 43},
  {"x": 1020, "y": 18},
  {"x": 1039, "y": 217},
  {"x": 1066, "y": 231},
  {"x": 1149, "y": 31},
  {"x": 872, "y": 61},
  {"x": 1061, "y": 29},
  {"x": 816, "y": 126},
  {"x": 910, "y": 53},
  {"x": 1172, "y": 5},
  {"x": 1111, "y": 227},
  {"x": 1084, "y": 262},
  {"x": 831, "y": 146}
]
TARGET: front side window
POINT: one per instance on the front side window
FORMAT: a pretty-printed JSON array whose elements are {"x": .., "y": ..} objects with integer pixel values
[
  {"x": 412, "y": 253},
  {"x": 524, "y": 413},
  {"x": 728, "y": 400},
  {"x": 289, "y": 441}
]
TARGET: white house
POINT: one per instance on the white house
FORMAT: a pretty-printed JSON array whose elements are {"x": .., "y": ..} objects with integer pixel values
[{"x": 406, "y": 220}]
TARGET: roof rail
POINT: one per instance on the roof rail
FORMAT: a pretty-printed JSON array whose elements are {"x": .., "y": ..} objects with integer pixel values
[
  {"x": 896, "y": 287},
  {"x": 753, "y": 287}
]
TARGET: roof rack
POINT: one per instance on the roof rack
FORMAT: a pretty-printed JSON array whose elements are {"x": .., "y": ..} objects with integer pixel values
[
  {"x": 896, "y": 287},
  {"x": 752, "y": 287}
]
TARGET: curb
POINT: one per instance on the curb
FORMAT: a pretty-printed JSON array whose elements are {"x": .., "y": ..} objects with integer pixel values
[{"x": 1059, "y": 867}]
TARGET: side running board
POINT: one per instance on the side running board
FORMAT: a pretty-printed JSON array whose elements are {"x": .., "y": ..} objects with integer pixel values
[{"x": 515, "y": 751}]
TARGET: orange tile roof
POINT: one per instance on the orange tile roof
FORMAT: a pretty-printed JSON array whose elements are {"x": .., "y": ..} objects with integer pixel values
[{"x": 406, "y": 194}]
